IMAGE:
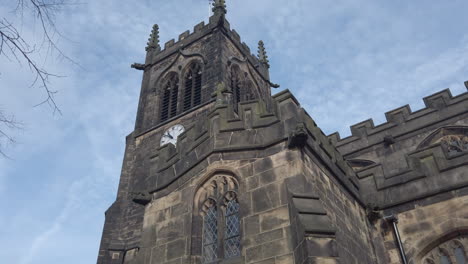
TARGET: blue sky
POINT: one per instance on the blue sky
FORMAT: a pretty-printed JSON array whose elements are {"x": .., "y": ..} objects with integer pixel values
[{"x": 346, "y": 61}]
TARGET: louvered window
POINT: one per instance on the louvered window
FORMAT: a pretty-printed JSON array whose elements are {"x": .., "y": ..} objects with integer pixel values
[
  {"x": 170, "y": 93},
  {"x": 193, "y": 83}
]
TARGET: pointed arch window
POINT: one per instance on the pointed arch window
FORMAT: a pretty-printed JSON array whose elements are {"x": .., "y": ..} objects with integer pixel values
[
  {"x": 219, "y": 208},
  {"x": 193, "y": 83},
  {"x": 170, "y": 93},
  {"x": 449, "y": 252}
]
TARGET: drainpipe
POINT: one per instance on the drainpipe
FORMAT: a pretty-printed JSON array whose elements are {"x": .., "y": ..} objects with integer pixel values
[{"x": 394, "y": 221}]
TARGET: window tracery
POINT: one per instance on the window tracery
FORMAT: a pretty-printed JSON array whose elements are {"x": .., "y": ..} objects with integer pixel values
[
  {"x": 193, "y": 83},
  {"x": 449, "y": 252},
  {"x": 455, "y": 143},
  {"x": 219, "y": 206},
  {"x": 170, "y": 93},
  {"x": 453, "y": 139}
]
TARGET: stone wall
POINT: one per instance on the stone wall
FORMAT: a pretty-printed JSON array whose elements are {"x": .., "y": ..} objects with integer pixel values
[
  {"x": 423, "y": 225},
  {"x": 170, "y": 223}
]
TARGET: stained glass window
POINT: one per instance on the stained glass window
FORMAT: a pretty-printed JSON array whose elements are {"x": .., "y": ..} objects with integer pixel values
[
  {"x": 210, "y": 236},
  {"x": 232, "y": 230}
]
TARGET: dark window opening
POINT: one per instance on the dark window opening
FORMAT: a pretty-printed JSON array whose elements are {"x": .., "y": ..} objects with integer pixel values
[
  {"x": 169, "y": 97},
  {"x": 193, "y": 83}
]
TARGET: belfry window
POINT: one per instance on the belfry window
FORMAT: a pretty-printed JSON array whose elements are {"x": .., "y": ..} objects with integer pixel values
[
  {"x": 193, "y": 83},
  {"x": 170, "y": 93},
  {"x": 449, "y": 252},
  {"x": 219, "y": 207}
]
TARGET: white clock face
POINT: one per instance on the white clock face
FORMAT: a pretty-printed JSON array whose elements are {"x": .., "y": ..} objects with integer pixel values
[{"x": 170, "y": 135}]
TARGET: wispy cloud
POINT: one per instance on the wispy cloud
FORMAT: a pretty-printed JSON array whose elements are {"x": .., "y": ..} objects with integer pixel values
[{"x": 347, "y": 61}]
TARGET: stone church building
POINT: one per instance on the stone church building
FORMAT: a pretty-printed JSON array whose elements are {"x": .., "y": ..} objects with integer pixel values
[{"x": 218, "y": 170}]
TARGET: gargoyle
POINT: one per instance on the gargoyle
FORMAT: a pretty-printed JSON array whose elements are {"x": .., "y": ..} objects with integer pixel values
[
  {"x": 373, "y": 213},
  {"x": 298, "y": 137},
  {"x": 138, "y": 66},
  {"x": 142, "y": 198}
]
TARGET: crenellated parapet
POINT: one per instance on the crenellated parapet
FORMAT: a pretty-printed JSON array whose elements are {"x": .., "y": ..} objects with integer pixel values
[
  {"x": 199, "y": 32},
  {"x": 431, "y": 170},
  {"x": 414, "y": 154},
  {"x": 401, "y": 121},
  {"x": 255, "y": 131}
]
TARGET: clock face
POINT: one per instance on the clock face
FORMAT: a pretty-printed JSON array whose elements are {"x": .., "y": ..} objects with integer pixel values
[{"x": 170, "y": 135}]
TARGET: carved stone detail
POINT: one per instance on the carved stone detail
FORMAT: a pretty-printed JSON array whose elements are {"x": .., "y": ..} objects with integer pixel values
[
  {"x": 454, "y": 143},
  {"x": 298, "y": 137},
  {"x": 220, "y": 187}
]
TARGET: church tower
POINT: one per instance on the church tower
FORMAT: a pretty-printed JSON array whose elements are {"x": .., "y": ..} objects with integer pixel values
[{"x": 219, "y": 171}]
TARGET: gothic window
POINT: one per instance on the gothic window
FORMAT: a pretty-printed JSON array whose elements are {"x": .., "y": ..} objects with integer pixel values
[
  {"x": 449, "y": 252},
  {"x": 170, "y": 93},
  {"x": 193, "y": 82},
  {"x": 218, "y": 205}
]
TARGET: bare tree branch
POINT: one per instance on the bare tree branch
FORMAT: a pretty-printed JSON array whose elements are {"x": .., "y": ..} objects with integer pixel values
[
  {"x": 7, "y": 123},
  {"x": 16, "y": 49}
]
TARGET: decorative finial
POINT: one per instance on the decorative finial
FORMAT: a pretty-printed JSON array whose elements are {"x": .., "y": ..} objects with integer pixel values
[
  {"x": 219, "y": 7},
  {"x": 153, "y": 41},
  {"x": 262, "y": 56}
]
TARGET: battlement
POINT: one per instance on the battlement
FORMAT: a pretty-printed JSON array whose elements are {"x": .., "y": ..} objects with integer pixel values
[
  {"x": 400, "y": 121},
  {"x": 201, "y": 30}
]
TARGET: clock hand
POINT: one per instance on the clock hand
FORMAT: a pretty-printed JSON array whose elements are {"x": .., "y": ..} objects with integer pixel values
[{"x": 166, "y": 134}]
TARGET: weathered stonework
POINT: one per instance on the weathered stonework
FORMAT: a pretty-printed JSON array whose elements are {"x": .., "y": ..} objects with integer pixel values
[{"x": 303, "y": 197}]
